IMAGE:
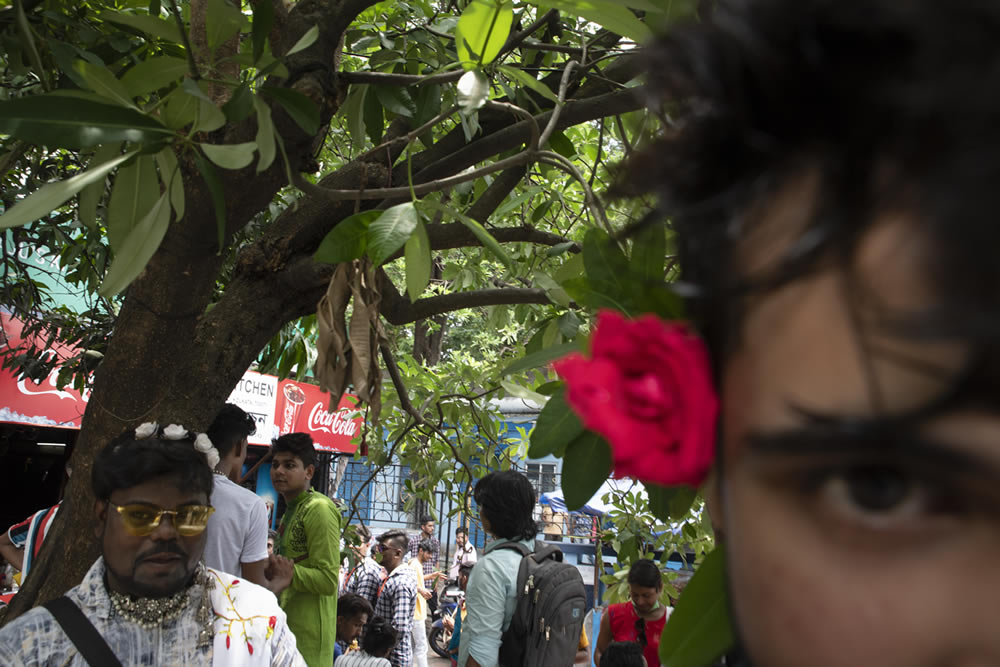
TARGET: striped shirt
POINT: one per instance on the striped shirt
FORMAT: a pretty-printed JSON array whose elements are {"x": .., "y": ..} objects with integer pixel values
[
  {"x": 397, "y": 603},
  {"x": 30, "y": 533},
  {"x": 361, "y": 659}
]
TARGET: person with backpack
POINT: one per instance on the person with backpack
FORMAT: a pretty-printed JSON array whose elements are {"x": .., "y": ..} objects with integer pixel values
[{"x": 525, "y": 606}]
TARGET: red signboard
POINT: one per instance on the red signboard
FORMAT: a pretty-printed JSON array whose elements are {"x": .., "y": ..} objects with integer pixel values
[
  {"x": 42, "y": 403},
  {"x": 299, "y": 407},
  {"x": 303, "y": 408}
]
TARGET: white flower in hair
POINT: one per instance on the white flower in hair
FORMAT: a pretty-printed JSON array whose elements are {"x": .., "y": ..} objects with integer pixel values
[
  {"x": 213, "y": 457},
  {"x": 203, "y": 444},
  {"x": 175, "y": 432},
  {"x": 146, "y": 430}
]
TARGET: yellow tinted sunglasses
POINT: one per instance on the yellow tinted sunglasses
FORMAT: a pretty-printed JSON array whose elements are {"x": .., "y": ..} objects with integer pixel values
[{"x": 142, "y": 520}]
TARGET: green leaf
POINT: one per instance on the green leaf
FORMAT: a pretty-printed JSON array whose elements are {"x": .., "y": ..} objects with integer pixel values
[
  {"x": 562, "y": 145},
  {"x": 347, "y": 240},
  {"x": 478, "y": 231},
  {"x": 50, "y": 120},
  {"x": 301, "y": 109},
  {"x": 482, "y": 31},
  {"x": 53, "y": 195},
  {"x": 353, "y": 111},
  {"x": 217, "y": 191},
  {"x": 373, "y": 118},
  {"x": 541, "y": 358},
  {"x": 222, "y": 21},
  {"x": 265, "y": 135},
  {"x": 148, "y": 24},
  {"x": 135, "y": 191},
  {"x": 649, "y": 250},
  {"x": 230, "y": 156},
  {"x": 609, "y": 14},
  {"x": 606, "y": 264},
  {"x": 389, "y": 232},
  {"x": 553, "y": 290},
  {"x": 180, "y": 109},
  {"x": 152, "y": 74},
  {"x": 170, "y": 175},
  {"x": 91, "y": 195},
  {"x": 305, "y": 41},
  {"x": 529, "y": 81},
  {"x": 137, "y": 249},
  {"x": 100, "y": 80},
  {"x": 586, "y": 465},
  {"x": 396, "y": 100},
  {"x": 559, "y": 248},
  {"x": 240, "y": 104},
  {"x": 699, "y": 629},
  {"x": 667, "y": 503},
  {"x": 418, "y": 262},
  {"x": 556, "y": 427},
  {"x": 525, "y": 394},
  {"x": 263, "y": 19}
]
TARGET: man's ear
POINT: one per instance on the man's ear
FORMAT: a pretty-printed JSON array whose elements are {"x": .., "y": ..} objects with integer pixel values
[
  {"x": 101, "y": 514},
  {"x": 310, "y": 470}
]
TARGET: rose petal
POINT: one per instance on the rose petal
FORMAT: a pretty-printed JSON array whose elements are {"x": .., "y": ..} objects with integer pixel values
[
  {"x": 202, "y": 443},
  {"x": 144, "y": 431},
  {"x": 174, "y": 432}
]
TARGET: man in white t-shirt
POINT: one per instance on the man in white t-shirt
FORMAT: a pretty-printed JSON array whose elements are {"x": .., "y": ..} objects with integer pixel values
[{"x": 237, "y": 531}]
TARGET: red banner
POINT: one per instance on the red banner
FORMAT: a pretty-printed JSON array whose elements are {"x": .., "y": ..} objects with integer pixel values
[
  {"x": 42, "y": 403},
  {"x": 297, "y": 407},
  {"x": 303, "y": 408}
]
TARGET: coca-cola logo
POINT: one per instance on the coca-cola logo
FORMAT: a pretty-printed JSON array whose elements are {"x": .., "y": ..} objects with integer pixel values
[{"x": 335, "y": 423}]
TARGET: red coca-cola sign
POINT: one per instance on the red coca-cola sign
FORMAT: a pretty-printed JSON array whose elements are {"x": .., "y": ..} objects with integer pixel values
[
  {"x": 24, "y": 401},
  {"x": 303, "y": 407}
]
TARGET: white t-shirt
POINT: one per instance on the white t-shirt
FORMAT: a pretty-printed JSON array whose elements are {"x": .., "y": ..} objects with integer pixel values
[
  {"x": 237, "y": 531},
  {"x": 361, "y": 659}
]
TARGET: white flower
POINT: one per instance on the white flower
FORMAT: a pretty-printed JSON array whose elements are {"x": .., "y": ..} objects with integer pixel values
[
  {"x": 213, "y": 457},
  {"x": 175, "y": 432},
  {"x": 203, "y": 444},
  {"x": 145, "y": 430},
  {"x": 473, "y": 91}
]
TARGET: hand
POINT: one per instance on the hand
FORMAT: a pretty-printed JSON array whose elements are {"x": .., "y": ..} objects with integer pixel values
[
  {"x": 279, "y": 573},
  {"x": 425, "y": 594},
  {"x": 449, "y": 623}
]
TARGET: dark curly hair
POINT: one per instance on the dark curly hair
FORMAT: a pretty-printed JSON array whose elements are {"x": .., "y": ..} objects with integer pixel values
[
  {"x": 126, "y": 462},
  {"x": 866, "y": 109},
  {"x": 507, "y": 499},
  {"x": 645, "y": 573},
  {"x": 299, "y": 445},
  {"x": 380, "y": 637}
]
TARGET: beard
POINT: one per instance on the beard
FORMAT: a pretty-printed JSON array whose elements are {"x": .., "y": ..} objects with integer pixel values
[{"x": 151, "y": 579}]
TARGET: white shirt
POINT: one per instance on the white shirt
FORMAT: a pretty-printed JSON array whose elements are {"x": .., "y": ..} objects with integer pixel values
[
  {"x": 466, "y": 554},
  {"x": 237, "y": 530},
  {"x": 361, "y": 659}
]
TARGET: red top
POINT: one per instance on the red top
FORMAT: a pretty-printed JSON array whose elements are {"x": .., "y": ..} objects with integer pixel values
[{"x": 623, "y": 621}]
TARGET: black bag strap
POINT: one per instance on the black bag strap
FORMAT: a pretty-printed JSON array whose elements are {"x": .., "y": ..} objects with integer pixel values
[{"x": 82, "y": 633}]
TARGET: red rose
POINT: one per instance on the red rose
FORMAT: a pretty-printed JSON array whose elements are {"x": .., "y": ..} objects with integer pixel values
[
  {"x": 647, "y": 388},
  {"x": 271, "y": 621}
]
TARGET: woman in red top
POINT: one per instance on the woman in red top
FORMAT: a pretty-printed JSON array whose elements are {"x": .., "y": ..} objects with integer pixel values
[{"x": 639, "y": 620}]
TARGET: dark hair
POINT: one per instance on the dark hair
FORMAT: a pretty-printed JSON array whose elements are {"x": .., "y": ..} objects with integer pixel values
[
  {"x": 363, "y": 532},
  {"x": 229, "y": 428},
  {"x": 299, "y": 445},
  {"x": 463, "y": 530},
  {"x": 350, "y": 605},
  {"x": 883, "y": 104},
  {"x": 425, "y": 519},
  {"x": 506, "y": 498},
  {"x": 272, "y": 535},
  {"x": 395, "y": 538},
  {"x": 465, "y": 569},
  {"x": 645, "y": 573},
  {"x": 126, "y": 462},
  {"x": 622, "y": 654},
  {"x": 425, "y": 545},
  {"x": 380, "y": 637}
]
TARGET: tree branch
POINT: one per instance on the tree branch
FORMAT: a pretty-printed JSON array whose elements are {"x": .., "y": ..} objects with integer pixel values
[{"x": 397, "y": 309}]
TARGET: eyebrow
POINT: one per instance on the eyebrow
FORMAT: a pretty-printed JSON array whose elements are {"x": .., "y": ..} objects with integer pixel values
[
  {"x": 152, "y": 504},
  {"x": 856, "y": 442}
]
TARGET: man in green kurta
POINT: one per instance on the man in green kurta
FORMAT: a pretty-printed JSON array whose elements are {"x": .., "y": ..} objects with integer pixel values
[{"x": 304, "y": 571}]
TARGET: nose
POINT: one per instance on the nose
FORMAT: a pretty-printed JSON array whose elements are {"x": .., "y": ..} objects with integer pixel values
[{"x": 165, "y": 529}]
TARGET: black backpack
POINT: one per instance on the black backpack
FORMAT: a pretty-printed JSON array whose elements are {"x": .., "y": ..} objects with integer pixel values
[{"x": 548, "y": 616}]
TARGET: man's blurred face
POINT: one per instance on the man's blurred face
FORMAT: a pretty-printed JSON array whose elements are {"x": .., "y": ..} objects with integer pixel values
[
  {"x": 460, "y": 540},
  {"x": 154, "y": 565},
  {"x": 428, "y": 528}
]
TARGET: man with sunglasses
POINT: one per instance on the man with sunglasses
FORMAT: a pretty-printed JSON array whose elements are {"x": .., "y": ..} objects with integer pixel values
[
  {"x": 397, "y": 596},
  {"x": 148, "y": 599}
]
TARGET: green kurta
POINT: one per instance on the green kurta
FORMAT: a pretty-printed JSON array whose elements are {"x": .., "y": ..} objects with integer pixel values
[{"x": 310, "y": 535}]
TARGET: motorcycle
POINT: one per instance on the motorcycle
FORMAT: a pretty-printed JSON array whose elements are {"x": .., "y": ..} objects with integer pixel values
[{"x": 448, "y": 605}]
